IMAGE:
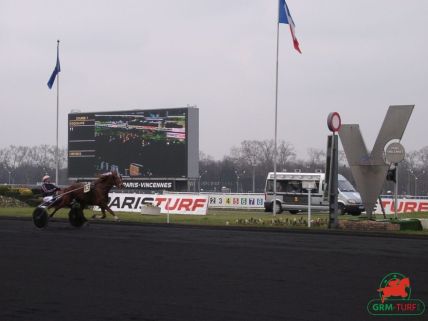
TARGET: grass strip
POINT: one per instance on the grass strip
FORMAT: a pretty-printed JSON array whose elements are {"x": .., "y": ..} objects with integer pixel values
[{"x": 219, "y": 217}]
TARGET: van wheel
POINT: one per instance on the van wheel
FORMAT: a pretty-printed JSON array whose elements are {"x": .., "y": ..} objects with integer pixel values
[
  {"x": 341, "y": 209},
  {"x": 278, "y": 208},
  {"x": 293, "y": 211}
]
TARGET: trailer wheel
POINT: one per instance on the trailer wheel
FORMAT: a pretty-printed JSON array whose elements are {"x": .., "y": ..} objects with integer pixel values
[
  {"x": 293, "y": 211},
  {"x": 76, "y": 216},
  {"x": 40, "y": 217}
]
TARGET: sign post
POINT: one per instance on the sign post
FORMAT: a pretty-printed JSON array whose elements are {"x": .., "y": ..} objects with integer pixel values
[
  {"x": 309, "y": 185},
  {"x": 396, "y": 192},
  {"x": 333, "y": 123},
  {"x": 394, "y": 154}
]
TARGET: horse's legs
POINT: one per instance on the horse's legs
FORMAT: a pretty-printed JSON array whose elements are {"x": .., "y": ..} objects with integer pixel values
[
  {"x": 58, "y": 203},
  {"x": 103, "y": 210},
  {"x": 103, "y": 213},
  {"x": 52, "y": 214},
  {"x": 56, "y": 207},
  {"x": 116, "y": 218}
]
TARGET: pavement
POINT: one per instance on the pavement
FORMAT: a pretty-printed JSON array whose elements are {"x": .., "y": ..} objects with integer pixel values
[{"x": 149, "y": 272}]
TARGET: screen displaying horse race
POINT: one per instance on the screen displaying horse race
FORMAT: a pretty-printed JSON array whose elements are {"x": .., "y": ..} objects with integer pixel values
[{"x": 136, "y": 143}]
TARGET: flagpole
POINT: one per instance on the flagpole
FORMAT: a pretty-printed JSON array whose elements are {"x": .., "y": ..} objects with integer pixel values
[
  {"x": 57, "y": 121},
  {"x": 275, "y": 152}
]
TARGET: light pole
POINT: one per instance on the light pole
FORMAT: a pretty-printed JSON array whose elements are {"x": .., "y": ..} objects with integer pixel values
[
  {"x": 408, "y": 181},
  {"x": 416, "y": 180},
  {"x": 9, "y": 175},
  {"x": 237, "y": 179},
  {"x": 254, "y": 178},
  {"x": 200, "y": 176}
]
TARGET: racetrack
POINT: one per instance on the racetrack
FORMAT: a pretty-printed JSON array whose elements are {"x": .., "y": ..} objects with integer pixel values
[{"x": 142, "y": 272}]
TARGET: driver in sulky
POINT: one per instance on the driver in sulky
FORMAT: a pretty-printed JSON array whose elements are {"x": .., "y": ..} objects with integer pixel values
[{"x": 48, "y": 189}]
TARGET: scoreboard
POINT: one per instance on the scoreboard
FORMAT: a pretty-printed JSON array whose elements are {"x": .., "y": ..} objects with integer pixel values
[
  {"x": 81, "y": 145},
  {"x": 156, "y": 143}
]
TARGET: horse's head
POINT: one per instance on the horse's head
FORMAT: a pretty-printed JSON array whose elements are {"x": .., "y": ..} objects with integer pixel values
[
  {"x": 405, "y": 282},
  {"x": 117, "y": 179},
  {"x": 111, "y": 179}
]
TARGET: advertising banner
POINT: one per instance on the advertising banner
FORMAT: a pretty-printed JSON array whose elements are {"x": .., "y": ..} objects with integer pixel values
[
  {"x": 148, "y": 184},
  {"x": 198, "y": 204},
  {"x": 238, "y": 201},
  {"x": 182, "y": 204},
  {"x": 404, "y": 205},
  {"x": 186, "y": 204}
]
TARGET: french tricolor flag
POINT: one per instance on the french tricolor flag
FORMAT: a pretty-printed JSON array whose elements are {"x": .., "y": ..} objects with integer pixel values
[{"x": 285, "y": 17}]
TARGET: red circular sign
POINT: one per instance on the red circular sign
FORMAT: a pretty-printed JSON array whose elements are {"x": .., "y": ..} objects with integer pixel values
[{"x": 334, "y": 122}]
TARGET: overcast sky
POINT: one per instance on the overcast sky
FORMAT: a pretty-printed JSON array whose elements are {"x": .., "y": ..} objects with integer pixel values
[{"x": 358, "y": 58}]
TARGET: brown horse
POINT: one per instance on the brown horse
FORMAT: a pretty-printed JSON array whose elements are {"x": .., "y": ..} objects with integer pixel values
[{"x": 94, "y": 194}]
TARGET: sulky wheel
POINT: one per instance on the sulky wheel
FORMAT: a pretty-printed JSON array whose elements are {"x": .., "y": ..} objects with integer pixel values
[
  {"x": 40, "y": 217},
  {"x": 75, "y": 216}
]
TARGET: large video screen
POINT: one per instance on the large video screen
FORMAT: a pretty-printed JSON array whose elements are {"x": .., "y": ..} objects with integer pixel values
[{"x": 137, "y": 143}]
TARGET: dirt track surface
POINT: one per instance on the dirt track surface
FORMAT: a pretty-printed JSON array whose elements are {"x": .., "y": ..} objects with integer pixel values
[{"x": 125, "y": 272}]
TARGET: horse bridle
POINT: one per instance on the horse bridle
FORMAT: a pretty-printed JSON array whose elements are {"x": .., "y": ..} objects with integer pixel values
[{"x": 118, "y": 178}]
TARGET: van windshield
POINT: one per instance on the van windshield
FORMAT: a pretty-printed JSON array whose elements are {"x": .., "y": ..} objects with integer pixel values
[{"x": 345, "y": 186}]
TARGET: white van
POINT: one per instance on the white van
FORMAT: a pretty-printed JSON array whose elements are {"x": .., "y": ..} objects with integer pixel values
[{"x": 291, "y": 194}]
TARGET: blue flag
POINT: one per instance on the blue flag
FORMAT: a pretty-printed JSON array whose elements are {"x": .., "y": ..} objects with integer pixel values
[
  {"x": 285, "y": 17},
  {"x": 56, "y": 70}
]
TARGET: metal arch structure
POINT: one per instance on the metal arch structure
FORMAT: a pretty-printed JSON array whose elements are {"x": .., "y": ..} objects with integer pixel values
[{"x": 369, "y": 169}]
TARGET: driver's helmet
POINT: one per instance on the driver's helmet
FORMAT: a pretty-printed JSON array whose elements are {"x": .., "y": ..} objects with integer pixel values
[{"x": 45, "y": 178}]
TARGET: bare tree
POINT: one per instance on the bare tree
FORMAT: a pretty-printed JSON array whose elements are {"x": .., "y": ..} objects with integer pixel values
[
  {"x": 247, "y": 157},
  {"x": 23, "y": 164},
  {"x": 317, "y": 158},
  {"x": 247, "y": 154},
  {"x": 423, "y": 156},
  {"x": 266, "y": 150},
  {"x": 257, "y": 157},
  {"x": 286, "y": 154}
]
